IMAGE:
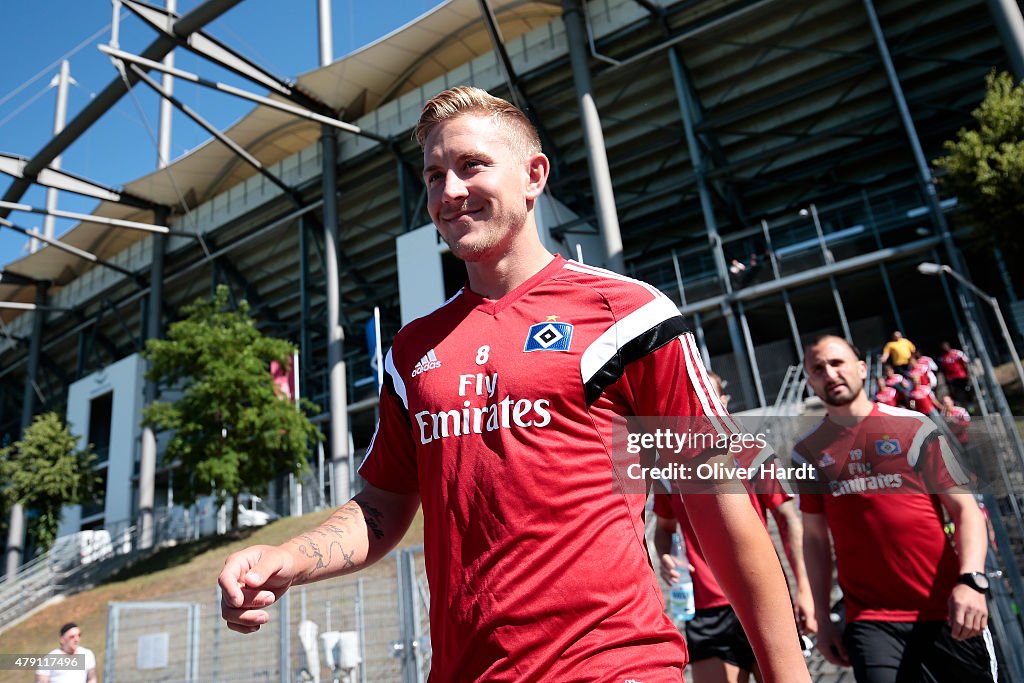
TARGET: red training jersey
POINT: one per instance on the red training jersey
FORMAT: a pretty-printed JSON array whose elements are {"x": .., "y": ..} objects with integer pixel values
[
  {"x": 499, "y": 414},
  {"x": 887, "y": 396},
  {"x": 922, "y": 400},
  {"x": 895, "y": 380},
  {"x": 953, "y": 364},
  {"x": 894, "y": 560},
  {"x": 924, "y": 369}
]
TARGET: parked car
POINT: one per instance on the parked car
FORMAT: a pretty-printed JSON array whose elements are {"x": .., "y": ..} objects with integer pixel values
[
  {"x": 251, "y": 512},
  {"x": 82, "y": 547}
]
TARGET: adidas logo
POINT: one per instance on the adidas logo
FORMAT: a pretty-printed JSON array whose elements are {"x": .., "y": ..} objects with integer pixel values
[{"x": 428, "y": 362}]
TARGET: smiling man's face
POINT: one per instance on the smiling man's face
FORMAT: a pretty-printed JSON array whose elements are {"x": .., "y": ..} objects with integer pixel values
[{"x": 478, "y": 187}]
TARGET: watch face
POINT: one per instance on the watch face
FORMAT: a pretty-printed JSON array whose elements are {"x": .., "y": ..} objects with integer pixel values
[{"x": 976, "y": 580}]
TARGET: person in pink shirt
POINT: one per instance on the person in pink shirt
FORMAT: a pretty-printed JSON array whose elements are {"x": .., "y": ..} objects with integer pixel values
[
  {"x": 957, "y": 419},
  {"x": 921, "y": 398},
  {"x": 925, "y": 368},
  {"x": 886, "y": 394}
]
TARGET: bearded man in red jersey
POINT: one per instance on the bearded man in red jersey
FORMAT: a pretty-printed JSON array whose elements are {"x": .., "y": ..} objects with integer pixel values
[{"x": 915, "y": 603}]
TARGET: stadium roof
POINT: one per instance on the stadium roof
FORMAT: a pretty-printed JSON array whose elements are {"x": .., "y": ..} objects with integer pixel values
[{"x": 449, "y": 35}]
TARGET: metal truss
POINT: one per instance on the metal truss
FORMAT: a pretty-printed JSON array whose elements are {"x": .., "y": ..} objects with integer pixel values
[
  {"x": 60, "y": 179},
  {"x": 80, "y": 253},
  {"x": 106, "y": 99}
]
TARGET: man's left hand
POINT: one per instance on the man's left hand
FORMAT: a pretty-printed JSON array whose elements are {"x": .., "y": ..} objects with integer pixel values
[
  {"x": 968, "y": 612},
  {"x": 803, "y": 609}
]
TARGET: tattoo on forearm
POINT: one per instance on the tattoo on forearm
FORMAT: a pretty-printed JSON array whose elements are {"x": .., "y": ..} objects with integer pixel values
[
  {"x": 310, "y": 548},
  {"x": 320, "y": 545}
]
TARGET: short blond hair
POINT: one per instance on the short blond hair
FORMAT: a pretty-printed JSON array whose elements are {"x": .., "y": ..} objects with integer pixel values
[{"x": 463, "y": 99}]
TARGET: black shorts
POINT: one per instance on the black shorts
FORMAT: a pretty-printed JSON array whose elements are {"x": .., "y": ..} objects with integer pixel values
[
  {"x": 716, "y": 632},
  {"x": 917, "y": 652}
]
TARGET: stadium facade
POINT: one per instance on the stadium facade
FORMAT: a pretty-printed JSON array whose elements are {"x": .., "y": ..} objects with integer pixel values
[{"x": 765, "y": 163}]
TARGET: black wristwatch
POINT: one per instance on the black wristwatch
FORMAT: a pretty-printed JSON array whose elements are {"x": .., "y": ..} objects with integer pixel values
[{"x": 976, "y": 580}]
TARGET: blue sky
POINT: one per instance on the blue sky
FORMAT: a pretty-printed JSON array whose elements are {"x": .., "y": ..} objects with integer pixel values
[{"x": 279, "y": 35}]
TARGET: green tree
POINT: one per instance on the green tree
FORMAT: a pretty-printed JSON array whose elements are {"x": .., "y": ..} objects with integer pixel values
[
  {"x": 231, "y": 431},
  {"x": 984, "y": 166},
  {"x": 45, "y": 471}
]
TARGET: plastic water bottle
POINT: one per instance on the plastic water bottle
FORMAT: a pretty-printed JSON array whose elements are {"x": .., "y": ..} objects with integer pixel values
[{"x": 681, "y": 605}]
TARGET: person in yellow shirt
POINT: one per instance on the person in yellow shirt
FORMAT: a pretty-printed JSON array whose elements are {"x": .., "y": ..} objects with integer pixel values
[{"x": 898, "y": 352}]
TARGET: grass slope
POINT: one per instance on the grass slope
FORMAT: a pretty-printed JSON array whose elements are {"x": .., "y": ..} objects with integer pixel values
[{"x": 170, "y": 571}]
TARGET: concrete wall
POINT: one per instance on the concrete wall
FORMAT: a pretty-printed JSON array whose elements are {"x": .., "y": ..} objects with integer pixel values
[{"x": 125, "y": 379}]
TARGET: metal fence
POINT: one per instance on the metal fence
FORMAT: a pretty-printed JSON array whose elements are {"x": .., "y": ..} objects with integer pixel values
[
  {"x": 382, "y": 614},
  {"x": 59, "y": 571}
]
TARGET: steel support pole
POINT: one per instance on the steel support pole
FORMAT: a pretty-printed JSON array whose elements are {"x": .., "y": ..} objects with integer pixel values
[
  {"x": 1010, "y": 24},
  {"x": 1004, "y": 275},
  {"x": 688, "y": 111},
  {"x": 883, "y": 269},
  {"x": 154, "y": 330},
  {"x": 115, "y": 23},
  {"x": 284, "y": 649},
  {"x": 699, "y": 332},
  {"x": 340, "y": 454},
  {"x": 752, "y": 354},
  {"x": 494, "y": 30},
  {"x": 325, "y": 31},
  {"x": 15, "y": 540},
  {"x": 924, "y": 173},
  {"x": 702, "y": 343},
  {"x": 840, "y": 308},
  {"x": 793, "y": 328},
  {"x": 593, "y": 136},
  {"x": 59, "y": 118},
  {"x": 305, "y": 345},
  {"x": 167, "y": 81},
  {"x": 891, "y": 296},
  {"x": 826, "y": 254},
  {"x": 16, "y": 523},
  {"x": 790, "y": 314},
  {"x": 954, "y": 312}
]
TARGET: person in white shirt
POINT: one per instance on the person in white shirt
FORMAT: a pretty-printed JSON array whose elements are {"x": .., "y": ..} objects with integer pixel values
[{"x": 70, "y": 637}]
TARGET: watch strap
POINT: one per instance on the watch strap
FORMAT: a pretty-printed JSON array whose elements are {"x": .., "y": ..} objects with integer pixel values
[{"x": 969, "y": 579}]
